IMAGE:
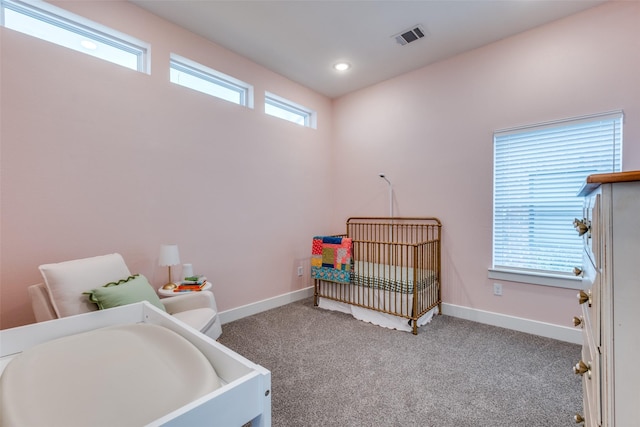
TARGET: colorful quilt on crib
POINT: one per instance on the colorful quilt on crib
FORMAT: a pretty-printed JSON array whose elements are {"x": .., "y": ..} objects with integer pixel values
[{"x": 331, "y": 259}]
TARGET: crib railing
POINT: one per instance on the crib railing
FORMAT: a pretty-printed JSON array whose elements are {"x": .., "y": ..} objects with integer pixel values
[
  {"x": 395, "y": 241},
  {"x": 394, "y": 230}
]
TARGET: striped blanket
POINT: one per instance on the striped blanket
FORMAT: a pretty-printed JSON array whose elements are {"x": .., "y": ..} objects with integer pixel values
[{"x": 391, "y": 277}]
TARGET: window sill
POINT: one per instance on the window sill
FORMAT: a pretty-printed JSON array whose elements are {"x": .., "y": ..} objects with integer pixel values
[{"x": 554, "y": 280}]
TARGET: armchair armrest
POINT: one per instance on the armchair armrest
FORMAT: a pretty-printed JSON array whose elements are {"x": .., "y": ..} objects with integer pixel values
[
  {"x": 41, "y": 303},
  {"x": 189, "y": 301}
]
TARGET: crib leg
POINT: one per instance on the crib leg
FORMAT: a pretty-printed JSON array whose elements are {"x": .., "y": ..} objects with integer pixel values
[
  {"x": 315, "y": 293},
  {"x": 415, "y": 327}
]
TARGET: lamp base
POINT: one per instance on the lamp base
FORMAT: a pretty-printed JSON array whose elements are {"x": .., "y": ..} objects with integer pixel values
[{"x": 170, "y": 285}]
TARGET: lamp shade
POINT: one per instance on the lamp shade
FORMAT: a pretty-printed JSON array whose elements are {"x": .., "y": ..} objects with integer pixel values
[{"x": 169, "y": 255}]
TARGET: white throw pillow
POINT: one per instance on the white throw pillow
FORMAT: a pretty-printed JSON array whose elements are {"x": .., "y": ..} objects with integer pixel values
[{"x": 66, "y": 281}]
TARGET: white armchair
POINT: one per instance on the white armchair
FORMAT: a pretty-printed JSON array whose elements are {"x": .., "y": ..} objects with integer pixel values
[{"x": 63, "y": 293}]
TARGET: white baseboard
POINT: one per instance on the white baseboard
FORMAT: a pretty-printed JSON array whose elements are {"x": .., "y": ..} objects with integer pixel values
[
  {"x": 264, "y": 305},
  {"x": 562, "y": 333}
]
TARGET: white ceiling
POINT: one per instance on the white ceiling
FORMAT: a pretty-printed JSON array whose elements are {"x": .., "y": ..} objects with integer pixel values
[{"x": 302, "y": 39}]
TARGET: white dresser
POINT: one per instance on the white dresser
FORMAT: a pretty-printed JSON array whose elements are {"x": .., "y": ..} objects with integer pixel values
[{"x": 610, "y": 299}]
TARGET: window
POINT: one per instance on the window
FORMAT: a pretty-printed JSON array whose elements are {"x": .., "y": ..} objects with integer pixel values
[
  {"x": 538, "y": 172},
  {"x": 55, "y": 25},
  {"x": 188, "y": 73},
  {"x": 287, "y": 110}
]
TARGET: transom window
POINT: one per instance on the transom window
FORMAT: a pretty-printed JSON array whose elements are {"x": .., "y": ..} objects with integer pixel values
[
  {"x": 55, "y": 25},
  {"x": 277, "y": 106},
  {"x": 538, "y": 171},
  {"x": 193, "y": 75}
]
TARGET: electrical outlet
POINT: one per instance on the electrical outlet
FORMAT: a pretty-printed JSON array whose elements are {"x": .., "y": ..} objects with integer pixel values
[
  {"x": 300, "y": 271},
  {"x": 497, "y": 289}
]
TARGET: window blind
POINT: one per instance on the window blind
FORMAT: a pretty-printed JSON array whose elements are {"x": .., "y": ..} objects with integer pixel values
[{"x": 538, "y": 172}]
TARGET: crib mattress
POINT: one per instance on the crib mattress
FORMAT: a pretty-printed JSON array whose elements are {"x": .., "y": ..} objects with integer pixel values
[
  {"x": 126, "y": 375},
  {"x": 392, "y": 278}
]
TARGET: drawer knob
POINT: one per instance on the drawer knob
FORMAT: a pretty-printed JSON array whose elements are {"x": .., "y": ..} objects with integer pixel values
[
  {"x": 584, "y": 297},
  {"x": 582, "y": 368},
  {"x": 581, "y": 225},
  {"x": 577, "y": 321},
  {"x": 578, "y": 418},
  {"x": 577, "y": 271}
]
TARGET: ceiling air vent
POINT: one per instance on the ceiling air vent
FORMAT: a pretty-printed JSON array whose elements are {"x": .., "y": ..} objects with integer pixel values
[{"x": 410, "y": 35}]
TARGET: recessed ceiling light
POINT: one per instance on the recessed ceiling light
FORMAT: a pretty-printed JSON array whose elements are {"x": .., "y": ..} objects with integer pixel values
[
  {"x": 342, "y": 66},
  {"x": 88, "y": 45}
]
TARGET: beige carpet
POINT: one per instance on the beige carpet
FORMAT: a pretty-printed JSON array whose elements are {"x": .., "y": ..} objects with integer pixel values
[{"x": 329, "y": 369}]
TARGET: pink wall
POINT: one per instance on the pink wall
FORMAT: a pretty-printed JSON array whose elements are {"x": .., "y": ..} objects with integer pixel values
[
  {"x": 431, "y": 131},
  {"x": 96, "y": 158}
]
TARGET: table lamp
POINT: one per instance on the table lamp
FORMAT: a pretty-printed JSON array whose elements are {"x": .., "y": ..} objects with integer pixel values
[{"x": 169, "y": 256}]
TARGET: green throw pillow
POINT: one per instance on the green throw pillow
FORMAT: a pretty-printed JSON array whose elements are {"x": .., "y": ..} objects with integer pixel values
[{"x": 133, "y": 289}]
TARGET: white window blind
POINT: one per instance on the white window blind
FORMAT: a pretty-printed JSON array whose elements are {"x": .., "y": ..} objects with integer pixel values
[{"x": 538, "y": 171}]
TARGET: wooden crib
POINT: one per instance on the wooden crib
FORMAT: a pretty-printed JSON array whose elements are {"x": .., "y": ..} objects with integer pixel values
[{"x": 394, "y": 269}]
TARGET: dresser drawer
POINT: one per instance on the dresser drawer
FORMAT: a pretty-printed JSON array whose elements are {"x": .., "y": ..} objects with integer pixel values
[
  {"x": 590, "y": 408},
  {"x": 590, "y": 356},
  {"x": 591, "y": 239},
  {"x": 591, "y": 286}
]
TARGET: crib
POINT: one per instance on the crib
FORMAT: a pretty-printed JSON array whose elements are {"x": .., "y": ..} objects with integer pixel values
[{"x": 388, "y": 271}]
